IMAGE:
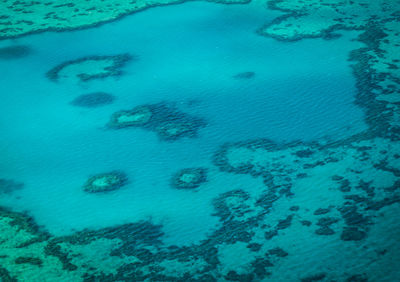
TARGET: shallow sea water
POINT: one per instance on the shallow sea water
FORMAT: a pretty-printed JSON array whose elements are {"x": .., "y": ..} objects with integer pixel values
[
  {"x": 186, "y": 55},
  {"x": 189, "y": 56}
]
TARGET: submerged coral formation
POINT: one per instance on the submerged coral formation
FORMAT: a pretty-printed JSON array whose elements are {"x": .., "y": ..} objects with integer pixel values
[
  {"x": 105, "y": 182},
  {"x": 167, "y": 121},
  {"x": 23, "y": 17},
  {"x": 138, "y": 116},
  {"x": 22, "y": 252},
  {"x": 93, "y": 100},
  {"x": 287, "y": 169},
  {"x": 14, "y": 52},
  {"x": 90, "y": 67},
  {"x": 8, "y": 186},
  {"x": 189, "y": 178},
  {"x": 244, "y": 75}
]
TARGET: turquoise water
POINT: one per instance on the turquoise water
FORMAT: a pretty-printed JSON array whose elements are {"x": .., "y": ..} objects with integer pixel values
[
  {"x": 293, "y": 184},
  {"x": 186, "y": 55}
]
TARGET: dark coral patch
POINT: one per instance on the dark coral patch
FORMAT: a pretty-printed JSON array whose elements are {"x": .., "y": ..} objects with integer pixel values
[
  {"x": 244, "y": 75},
  {"x": 8, "y": 186},
  {"x": 352, "y": 234},
  {"x": 29, "y": 260},
  {"x": 105, "y": 182},
  {"x": 14, "y": 52},
  {"x": 93, "y": 100},
  {"x": 189, "y": 178}
]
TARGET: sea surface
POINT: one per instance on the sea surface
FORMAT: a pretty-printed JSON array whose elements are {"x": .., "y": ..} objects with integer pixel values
[{"x": 186, "y": 55}]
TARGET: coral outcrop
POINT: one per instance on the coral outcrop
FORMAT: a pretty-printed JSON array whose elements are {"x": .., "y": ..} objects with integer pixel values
[
  {"x": 93, "y": 100},
  {"x": 105, "y": 182},
  {"x": 189, "y": 178},
  {"x": 89, "y": 68}
]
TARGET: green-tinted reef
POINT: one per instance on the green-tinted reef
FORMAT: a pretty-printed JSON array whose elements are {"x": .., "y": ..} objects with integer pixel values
[{"x": 23, "y": 17}]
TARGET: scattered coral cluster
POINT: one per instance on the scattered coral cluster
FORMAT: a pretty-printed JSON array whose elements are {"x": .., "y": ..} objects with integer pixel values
[
  {"x": 352, "y": 174},
  {"x": 169, "y": 123}
]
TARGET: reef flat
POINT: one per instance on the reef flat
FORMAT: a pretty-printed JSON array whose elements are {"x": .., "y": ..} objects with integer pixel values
[{"x": 23, "y": 17}]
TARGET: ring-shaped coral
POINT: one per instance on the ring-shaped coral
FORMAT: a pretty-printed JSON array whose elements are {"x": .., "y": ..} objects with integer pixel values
[
  {"x": 105, "y": 182},
  {"x": 189, "y": 178},
  {"x": 172, "y": 130}
]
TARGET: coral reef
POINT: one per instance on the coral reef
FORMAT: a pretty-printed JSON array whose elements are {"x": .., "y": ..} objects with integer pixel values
[
  {"x": 189, "y": 178},
  {"x": 279, "y": 166},
  {"x": 314, "y": 197},
  {"x": 8, "y": 186},
  {"x": 14, "y": 52},
  {"x": 23, "y": 17},
  {"x": 22, "y": 251},
  {"x": 376, "y": 66},
  {"x": 138, "y": 116},
  {"x": 105, "y": 182},
  {"x": 93, "y": 100},
  {"x": 89, "y": 68},
  {"x": 168, "y": 122},
  {"x": 244, "y": 75}
]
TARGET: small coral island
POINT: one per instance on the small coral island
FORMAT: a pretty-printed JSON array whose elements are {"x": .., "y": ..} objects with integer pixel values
[
  {"x": 93, "y": 100},
  {"x": 88, "y": 68},
  {"x": 189, "y": 178},
  {"x": 105, "y": 182},
  {"x": 168, "y": 122}
]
